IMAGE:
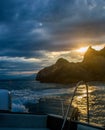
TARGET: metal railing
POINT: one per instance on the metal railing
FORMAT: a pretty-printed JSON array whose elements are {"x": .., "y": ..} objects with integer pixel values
[
  {"x": 70, "y": 105},
  {"x": 89, "y": 98}
]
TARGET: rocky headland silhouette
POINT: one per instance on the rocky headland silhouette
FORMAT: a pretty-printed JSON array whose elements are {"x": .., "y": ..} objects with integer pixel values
[{"x": 92, "y": 68}]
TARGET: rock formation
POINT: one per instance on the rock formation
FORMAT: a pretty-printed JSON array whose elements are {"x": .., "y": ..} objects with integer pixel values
[{"x": 92, "y": 68}]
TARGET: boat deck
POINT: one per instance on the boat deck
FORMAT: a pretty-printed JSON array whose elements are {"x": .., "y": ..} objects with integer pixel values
[
  {"x": 83, "y": 128},
  {"x": 12, "y": 121},
  {"x": 17, "y": 121}
]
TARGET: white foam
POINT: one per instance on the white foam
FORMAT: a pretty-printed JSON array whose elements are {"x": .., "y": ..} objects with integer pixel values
[
  {"x": 22, "y": 97},
  {"x": 19, "y": 108}
]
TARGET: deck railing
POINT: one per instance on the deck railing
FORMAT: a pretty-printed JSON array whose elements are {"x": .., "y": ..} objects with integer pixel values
[
  {"x": 70, "y": 105},
  {"x": 85, "y": 98}
]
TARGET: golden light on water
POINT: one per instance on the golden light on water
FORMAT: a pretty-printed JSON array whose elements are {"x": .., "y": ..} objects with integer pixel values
[
  {"x": 96, "y": 104},
  {"x": 80, "y": 99}
]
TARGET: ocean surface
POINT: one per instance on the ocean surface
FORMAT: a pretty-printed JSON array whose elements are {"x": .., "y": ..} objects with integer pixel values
[{"x": 30, "y": 92}]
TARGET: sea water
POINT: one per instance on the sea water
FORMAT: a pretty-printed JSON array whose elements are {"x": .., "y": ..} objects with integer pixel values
[{"x": 25, "y": 92}]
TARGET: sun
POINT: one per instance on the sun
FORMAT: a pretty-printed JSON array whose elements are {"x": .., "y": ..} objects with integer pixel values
[{"x": 82, "y": 49}]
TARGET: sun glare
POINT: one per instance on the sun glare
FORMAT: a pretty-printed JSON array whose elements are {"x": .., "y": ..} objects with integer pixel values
[
  {"x": 98, "y": 47},
  {"x": 82, "y": 49}
]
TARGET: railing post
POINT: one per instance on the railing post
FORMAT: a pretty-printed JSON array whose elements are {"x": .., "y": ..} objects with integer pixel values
[
  {"x": 69, "y": 106},
  {"x": 62, "y": 106},
  {"x": 87, "y": 92}
]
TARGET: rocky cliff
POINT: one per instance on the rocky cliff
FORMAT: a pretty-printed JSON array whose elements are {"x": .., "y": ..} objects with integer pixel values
[{"x": 92, "y": 68}]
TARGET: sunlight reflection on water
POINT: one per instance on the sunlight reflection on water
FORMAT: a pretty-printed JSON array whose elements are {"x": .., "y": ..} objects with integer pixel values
[
  {"x": 96, "y": 104},
  {"x": 29, "y": 92}
]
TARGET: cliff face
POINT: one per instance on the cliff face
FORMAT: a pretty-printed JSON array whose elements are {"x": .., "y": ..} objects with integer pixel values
[
  {"x": 90, "y": 69},
  {"x": 94, "y": 62}
]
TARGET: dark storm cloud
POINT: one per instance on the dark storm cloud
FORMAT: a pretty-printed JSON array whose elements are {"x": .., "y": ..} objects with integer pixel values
[
  {"x": 14, "y": 68},
  {"x": 33, "y": 9},
  {"x": 20, "y": 17},
  {"x": 27, "y": 26}
]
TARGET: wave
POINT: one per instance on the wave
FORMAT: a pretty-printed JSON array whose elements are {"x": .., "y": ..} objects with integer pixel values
[
  {"x": 19, "y": 108},
  {"x": 22, "y": 97}
]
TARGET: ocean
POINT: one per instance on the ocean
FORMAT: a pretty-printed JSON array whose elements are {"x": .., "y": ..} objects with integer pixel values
[{"x": 25, "y": 92}]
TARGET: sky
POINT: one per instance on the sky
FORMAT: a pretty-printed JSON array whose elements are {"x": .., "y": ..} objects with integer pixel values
[{"x": 35, "y": 33}]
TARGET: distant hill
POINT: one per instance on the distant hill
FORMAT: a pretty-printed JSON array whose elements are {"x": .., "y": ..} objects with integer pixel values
[
  {"x": 92, "y": 68},
  {"x": 18, "y": 77}
]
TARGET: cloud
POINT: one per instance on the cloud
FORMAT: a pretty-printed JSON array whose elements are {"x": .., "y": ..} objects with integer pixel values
[
  {"x": 11, "y": 66},
  {"x": 33, "y": 29}
]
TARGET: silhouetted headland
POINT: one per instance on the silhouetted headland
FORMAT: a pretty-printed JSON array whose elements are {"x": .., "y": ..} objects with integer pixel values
[{"x": 92, "y": 68}]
